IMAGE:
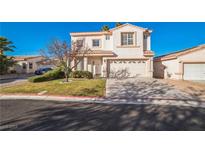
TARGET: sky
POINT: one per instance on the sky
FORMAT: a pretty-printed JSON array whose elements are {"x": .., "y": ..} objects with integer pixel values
[{"x": 30, "y": 37}]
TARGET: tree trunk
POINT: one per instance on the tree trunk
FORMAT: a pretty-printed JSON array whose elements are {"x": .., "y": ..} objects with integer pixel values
[{"x": 66, "y": 77}]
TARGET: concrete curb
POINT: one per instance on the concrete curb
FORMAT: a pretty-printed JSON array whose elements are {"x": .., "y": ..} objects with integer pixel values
[{"x": 139, "y": 101}]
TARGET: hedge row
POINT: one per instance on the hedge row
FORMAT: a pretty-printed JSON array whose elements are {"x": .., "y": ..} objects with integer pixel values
[
  {"x": 59, "y": 74},
  {"x": 50, "y": 75},
  {"x": 81, "y": 74}
]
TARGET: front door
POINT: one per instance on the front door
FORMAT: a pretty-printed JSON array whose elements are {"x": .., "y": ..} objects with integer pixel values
[
  {"x": 98, "y": 69},
  {"x": 97, "y": 66},
  {"x": 94, "y": 65}
]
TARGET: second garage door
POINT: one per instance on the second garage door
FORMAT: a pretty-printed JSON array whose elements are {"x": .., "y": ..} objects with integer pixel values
[
  {"x": 194, "y": 71},
  {"x": 128, "y": 68}
]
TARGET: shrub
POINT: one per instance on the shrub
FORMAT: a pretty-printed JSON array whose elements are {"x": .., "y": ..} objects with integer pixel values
[
  {"x": 5, "y": 63},
  {"x": 54, "y": 74},
  {"x": 50, "y": 75},
  {"x": 13, "y": 71},
  {"x": 88, "y": 75},
  {"x": 81, "y": 74},
  {"x": 39, "y": 78}
]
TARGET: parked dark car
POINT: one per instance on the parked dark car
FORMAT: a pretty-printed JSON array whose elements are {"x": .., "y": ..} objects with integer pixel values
[{"x": 41, "y": 71}]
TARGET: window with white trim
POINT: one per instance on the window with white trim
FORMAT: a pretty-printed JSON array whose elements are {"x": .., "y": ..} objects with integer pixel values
[
  {"x": 96, "y": 43},
  {"x": 107, "y": 37},
  {"x": 24, "y": 65},
  {"x": 30, "y": 65},
  {"x": 127, "y": 38},
  {"x": 80, "y": 43}
]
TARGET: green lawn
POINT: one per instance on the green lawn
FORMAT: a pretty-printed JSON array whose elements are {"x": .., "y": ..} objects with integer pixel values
[{"x": 76, "y": 87}]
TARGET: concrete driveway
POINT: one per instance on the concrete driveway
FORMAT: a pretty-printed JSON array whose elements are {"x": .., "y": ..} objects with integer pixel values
[{"x": 133, "y": 88}]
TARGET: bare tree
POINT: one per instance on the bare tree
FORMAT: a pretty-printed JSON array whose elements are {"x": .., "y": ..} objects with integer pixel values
[{"x": 61, "y": 54}]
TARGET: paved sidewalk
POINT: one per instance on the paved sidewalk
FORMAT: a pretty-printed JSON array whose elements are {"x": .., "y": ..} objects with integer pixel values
[
  {"x": 13, "y": 79},
  {"x": 11, "y": 82},
  {"x": 148, "y": 100}
]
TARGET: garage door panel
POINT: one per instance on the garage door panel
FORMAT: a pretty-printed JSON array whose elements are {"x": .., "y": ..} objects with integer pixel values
[
  {"x": 127, "y": 68},
  {"x": 194, "y": 71}
]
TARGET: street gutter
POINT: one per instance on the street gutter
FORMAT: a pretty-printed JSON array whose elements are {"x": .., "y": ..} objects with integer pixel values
[{"x": 104, "y": 100}]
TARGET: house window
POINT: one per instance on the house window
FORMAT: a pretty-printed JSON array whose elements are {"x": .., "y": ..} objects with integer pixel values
[
  {"x": 127, "y": 38},
  {"x": 79, "y": 43},
  {"x": 24, "y": 65},
  {"x": 107, "y": 37},
  {"x": 30, "y": 65},
  {"x": 96, "y": 43}
]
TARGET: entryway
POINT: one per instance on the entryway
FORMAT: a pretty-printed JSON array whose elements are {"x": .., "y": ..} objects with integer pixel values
[{"x": 94, "y": 65}]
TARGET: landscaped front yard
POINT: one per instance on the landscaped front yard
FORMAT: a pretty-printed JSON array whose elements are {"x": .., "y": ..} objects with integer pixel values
[{"x": 76, "y": 87}]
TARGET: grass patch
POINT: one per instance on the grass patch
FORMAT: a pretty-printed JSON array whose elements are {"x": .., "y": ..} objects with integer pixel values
[{"x": 77, "y": 87}]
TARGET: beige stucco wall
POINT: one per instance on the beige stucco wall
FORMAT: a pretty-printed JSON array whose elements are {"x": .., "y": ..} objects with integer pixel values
[
  {"x": 174, "y": 68},
  {"x": 136, "y": 51},
  {"x": 114, "y": 44},
  {"x": 194, "y": 56},
  {"x": 104, "y": 44},
  {"x": 18, "y": 67}
]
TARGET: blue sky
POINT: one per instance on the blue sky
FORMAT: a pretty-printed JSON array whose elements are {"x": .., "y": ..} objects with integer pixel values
[{"x": 167, "y": 37}]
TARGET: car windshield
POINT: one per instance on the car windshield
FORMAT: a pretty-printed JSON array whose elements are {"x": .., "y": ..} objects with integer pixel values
[{"x": 46, "y": 69}]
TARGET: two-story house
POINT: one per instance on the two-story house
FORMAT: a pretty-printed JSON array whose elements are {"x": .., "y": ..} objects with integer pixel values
[{"x": 123, "y": 50}]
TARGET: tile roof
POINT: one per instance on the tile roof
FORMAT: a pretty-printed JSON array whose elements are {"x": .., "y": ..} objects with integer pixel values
[
  {"x": 148, "y": 52},
  {"x": 22, "y": 58},
  {"x": 106, "y": 32},
  {"x": 90, "y": 33},
  {"x": 99, "y": 53},
  {"x": 174, "y": 55}
]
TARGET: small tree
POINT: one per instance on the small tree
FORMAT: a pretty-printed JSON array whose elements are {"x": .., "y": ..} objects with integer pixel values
[
  {"x": 118, "y": 24},
  {"x": 62, "y": 54},
  {"x": 5, "y": 62},
  {"x": 5, "y": 45},
  {"x": 105, "y": 28}
]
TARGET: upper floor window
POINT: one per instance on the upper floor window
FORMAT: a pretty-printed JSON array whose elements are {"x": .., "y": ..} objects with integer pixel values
[
  {"x": 79, "y": 43},
  {"x": 96, "y": 43},
  {"x": 30, "y": 65},
  {"x": 127, "y": 38},
  {"x": 107, "y": 37},
  {"x": 24, "y": 65}
]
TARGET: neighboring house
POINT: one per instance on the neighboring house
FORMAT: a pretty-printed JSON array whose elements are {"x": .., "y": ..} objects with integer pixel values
[
  {"x": 121, "y": 51},
  {"x": 28, "y": 64},
  {"x": 188, "y": 64}
]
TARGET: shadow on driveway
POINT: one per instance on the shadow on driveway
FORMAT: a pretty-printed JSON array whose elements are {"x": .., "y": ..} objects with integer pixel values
[
  {"x": 134, "y": 88},
  {"x": 38, "y": 115}
]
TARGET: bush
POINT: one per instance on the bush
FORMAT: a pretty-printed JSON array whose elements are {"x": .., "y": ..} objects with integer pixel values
[
  {"x": 5, "y": 63},
  {"x": 50, "y": 75},
  {"x": 13, "y": 71},
  {"x": 54, "y": 74},
  {"x": 81, "y": 74},
  {"x": 39, "y": 78}
]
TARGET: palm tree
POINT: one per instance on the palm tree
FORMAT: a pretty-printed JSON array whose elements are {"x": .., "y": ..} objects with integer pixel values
[
  {"x": 118, "y": 24},
  {"x": 105, "y": 28},
  {"x": 5, "y": 45}
]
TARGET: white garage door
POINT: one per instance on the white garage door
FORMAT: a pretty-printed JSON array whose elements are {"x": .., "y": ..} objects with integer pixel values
[
  {"x": 194, "y": 71},
  {"x": 127, "y": 68}
]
